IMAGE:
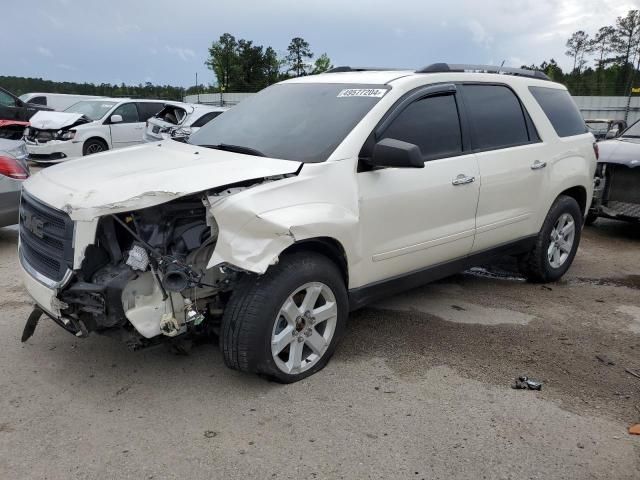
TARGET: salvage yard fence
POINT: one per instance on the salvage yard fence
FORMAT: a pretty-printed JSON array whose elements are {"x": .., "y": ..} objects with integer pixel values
[{"x": 614, "y": 108}]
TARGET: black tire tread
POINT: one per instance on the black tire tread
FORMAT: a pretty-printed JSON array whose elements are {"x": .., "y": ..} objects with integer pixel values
[{"x": 244, "y": 313}]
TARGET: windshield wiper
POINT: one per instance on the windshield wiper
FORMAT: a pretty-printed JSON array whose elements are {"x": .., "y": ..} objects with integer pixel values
[{"x": 236, "y": 148}]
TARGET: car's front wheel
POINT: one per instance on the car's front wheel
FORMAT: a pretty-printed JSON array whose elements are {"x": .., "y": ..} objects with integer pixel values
[
  {"x": 286, "y": 323},
  {"x": 557, "y": 242},
  {"x": 94, "y": 145}
]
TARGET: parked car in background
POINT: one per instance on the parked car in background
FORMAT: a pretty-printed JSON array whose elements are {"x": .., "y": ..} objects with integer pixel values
[
  {"x": 307, "y": 200},
  {"x": 617, "y": 178},
  {"x": 13, "y": 171},
  {"x": 604, "y": 129},
  {"x": 88, "y": 127},
  {"x": 15, "y": 148},
  {"x": 179, "y": 121},
  {"x": 12, "y": 108},
  {"x": 12, "y": 129},
  {"x": 55, "y": 101}
]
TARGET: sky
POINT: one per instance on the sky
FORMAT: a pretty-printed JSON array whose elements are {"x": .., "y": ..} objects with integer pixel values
[{"x": 166, "y": 42}]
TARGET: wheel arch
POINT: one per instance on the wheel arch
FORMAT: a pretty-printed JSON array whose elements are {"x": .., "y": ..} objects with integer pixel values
[
  {"x": 579, "y": 194},
  {"x": 327, "y": 246}
]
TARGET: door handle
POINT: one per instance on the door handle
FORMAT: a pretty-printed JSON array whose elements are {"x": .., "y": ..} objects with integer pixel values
[
  {"x": 462, "y": 179},
  {"x": 537, "y": 165}
]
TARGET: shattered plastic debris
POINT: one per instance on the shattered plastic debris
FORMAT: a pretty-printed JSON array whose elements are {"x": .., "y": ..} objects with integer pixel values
[
  {"x": 635, "y": 429},
  {"x": 524, "y": 383}
]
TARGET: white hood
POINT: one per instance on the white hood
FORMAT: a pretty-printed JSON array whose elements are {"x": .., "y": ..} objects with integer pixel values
[
  {"x": 143, "y": 176},
  {"x": 54, "y": 120}
]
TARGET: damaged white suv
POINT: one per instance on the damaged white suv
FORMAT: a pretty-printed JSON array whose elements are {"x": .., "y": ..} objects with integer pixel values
[{"x": 308, "y": 200}]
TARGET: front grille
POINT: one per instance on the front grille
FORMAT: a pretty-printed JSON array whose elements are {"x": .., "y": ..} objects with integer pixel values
[{"x": 46, "y": 238}]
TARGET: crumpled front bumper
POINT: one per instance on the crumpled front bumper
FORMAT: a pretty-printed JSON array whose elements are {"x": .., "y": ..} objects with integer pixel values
[
  {"x": 46, "y": 298},
  {"x": 53, "y": 151}
]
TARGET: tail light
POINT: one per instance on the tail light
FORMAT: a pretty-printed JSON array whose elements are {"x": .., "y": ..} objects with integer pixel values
[
  {"x": 596, "y": 150},
  {"x": 9, "y": 167}
]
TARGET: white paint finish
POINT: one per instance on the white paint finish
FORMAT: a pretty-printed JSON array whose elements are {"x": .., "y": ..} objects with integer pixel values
[
  {"x": 445, "y": 302},
  {"x": 112, "y": 182},
  {"x": 511, "y": 194},
  {"x": 415, "y": 217},
  {"x": 53, "y": 120},
  {"x": 114, "y": 135},
  {"x": 388, "y": 222}
]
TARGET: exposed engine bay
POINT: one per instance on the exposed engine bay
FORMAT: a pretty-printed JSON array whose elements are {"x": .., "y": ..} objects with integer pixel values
[{"x": 146, "y": 274}]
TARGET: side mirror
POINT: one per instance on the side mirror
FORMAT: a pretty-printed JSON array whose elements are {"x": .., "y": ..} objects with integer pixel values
[
  {"x": 389, "y": 152},
  {"x": 611, "y": 134},
  {"x": 116, "y": 119}
]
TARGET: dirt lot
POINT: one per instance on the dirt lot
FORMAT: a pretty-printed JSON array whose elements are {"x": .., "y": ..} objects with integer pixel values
[{"x": 420, "y": 388}]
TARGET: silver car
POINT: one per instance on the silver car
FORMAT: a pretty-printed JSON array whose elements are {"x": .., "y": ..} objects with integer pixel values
[{"x": 13, "y": 171}]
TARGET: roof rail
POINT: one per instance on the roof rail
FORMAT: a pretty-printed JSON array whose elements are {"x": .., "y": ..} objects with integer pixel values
[
  {"x": 459, "y": 67},
  {"x": 346, "y": 68}
]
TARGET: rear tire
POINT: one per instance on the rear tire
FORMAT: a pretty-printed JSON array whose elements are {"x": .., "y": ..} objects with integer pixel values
[
  {"x": 94, "y": 145},
  {"x": 556, "y": 244},
  {"x": 286, "y": 323}
]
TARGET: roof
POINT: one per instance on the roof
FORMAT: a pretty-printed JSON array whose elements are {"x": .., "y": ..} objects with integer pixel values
[{"x": 440, "y": 72}]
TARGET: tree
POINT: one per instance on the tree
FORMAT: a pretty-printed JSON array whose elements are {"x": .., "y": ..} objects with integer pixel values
[
  {"x": 603, "y": 44},
  {"x": 322, "y": 64},
  {"x": 299, "y": 51},
  {"x": 223, "y": 60},
  {"x": 272, "y": 65},
  {"x": 628, "y": 35},
  {"x": 577, "y": 46},
  {"x": 251, "y": 67}
]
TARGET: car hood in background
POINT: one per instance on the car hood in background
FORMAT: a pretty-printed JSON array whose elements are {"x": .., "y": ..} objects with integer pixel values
[
  {"x": 56, "y": 120},
  {"x": 146, "y": 175},
  {"x": 623, "y": 152}
]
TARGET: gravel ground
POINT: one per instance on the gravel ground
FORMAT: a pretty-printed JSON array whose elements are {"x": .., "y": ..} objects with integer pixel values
[{"x": 419, "y": 388}]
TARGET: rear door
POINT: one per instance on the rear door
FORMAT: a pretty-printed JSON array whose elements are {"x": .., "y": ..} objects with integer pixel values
[
  {"x": 511, "y": 160},
  {"x": 412, "y": 218},
  {"x": 130, "y": 130}
]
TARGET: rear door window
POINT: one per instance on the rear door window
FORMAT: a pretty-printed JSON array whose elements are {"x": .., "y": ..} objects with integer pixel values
[
  {"x": 432, "y": 124},
  {"x": 204, "y": 119},
  {"x": 149, "y": 109},
  {"x": 128, "y": 112},
  {"x": 496, "y": 116},
  {"x": 41, "y": 100},
  {"x": 561, "y": 110}
]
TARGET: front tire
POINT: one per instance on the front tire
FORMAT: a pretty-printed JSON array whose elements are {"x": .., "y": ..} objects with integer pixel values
[
  {"x": 286, "y": 323},
  {"x": 94, "y": 145},
  {"x": 556, "y": 244}
]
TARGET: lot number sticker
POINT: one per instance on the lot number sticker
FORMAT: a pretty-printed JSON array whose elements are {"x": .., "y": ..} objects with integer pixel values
[{"x": 362, "y": 92}]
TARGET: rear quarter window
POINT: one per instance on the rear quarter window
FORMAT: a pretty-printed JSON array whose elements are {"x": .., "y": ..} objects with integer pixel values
[{"x": 561, "y": 110}]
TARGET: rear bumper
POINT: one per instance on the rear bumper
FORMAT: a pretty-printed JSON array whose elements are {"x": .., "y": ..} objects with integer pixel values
[
  {"x": 54, "y": 151},
  {"x": 9, "y": 201}
]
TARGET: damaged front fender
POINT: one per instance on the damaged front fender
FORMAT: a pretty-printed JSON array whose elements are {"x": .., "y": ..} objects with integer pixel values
[{"x": 256, "y": 245}]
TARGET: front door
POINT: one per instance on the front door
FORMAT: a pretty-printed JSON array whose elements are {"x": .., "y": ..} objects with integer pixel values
[
  {"x": 412, "y": 218},
  {"x": 129, "y": 131}
]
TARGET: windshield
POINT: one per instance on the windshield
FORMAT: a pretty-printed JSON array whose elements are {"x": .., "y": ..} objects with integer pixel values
[
  {"x": 633, "y": 131},
  {"x": 92, "y": 109},
  {"x": 292, "y": 121}
]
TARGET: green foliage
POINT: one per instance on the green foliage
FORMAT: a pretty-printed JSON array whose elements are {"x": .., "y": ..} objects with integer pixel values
[
  {"x": 615, "y": 56},
  {"x": 299, "y": 53},
  {"x": 322, "y": 64},
  {"x": 20, "y": 85}
]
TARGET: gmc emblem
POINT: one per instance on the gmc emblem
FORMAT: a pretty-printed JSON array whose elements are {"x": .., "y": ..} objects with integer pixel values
[{"x": 33, "y": 223}]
